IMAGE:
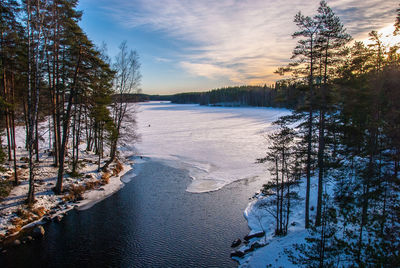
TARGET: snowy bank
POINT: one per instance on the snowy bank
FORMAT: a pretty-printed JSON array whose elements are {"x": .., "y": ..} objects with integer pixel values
[
  {"x": 15, "y": 215},
  {"x": 272, "y": 253},
  {"x": 87, "y": 188}
]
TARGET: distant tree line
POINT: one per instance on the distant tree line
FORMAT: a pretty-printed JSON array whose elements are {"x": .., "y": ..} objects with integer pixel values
[
  {"x": 282, "y": 95},
  {"x": 345, "y": 135},
  {"x": 50, "y": 70}
]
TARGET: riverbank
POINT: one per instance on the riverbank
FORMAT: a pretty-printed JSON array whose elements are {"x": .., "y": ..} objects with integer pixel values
[
  {"x": 151, "y": 222},
  {"x": 81, "y": 191},
  {"x": 270, "y": 250}
]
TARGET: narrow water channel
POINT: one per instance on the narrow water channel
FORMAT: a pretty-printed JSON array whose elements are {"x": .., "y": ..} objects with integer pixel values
[{"x": 152, "y": 222}]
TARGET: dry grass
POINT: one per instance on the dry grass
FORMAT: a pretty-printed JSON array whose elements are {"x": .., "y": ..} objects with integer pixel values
[
  {"x": 40, "y": 211},
  {"x": 75, "y": 193},
  {"x": 23, "y": 214},
  {"x": 17, "y": 221},
  {"x": 15, "y": 229},
  {"x": 117, "y": 168},
  {"x": 90, "y": 185},
  {"x": 105, "y": 178}
]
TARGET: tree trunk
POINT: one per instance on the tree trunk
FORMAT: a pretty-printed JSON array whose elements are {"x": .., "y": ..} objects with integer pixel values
[
  {"x": 309, "y": 138},
  {"x": 16, "y": 182},
  {"x": 277, "y": 196},
  {"x": 66, "y": 119},
  {"x": 321, "y": 166}
]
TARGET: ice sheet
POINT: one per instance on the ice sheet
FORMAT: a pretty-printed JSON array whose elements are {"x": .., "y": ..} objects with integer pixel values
[{"x": 217, "y": 145}]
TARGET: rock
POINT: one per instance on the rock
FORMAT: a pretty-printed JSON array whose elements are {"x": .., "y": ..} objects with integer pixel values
[
  {"x": 255, "y": 245},
  {"x": 16, "y": 242},
  {"x": 38, "y": 231},
  {"x": 236, "y": 243},
  {"x": 258, "y": 234},
  {"x": 237, "y": 253}
]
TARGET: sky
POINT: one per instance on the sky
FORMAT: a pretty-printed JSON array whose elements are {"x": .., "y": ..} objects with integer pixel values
[{"x": 198, "y": 45}]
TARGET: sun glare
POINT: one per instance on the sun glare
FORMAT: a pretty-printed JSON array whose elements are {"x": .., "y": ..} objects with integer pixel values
[{"x": 387, "y": 36}]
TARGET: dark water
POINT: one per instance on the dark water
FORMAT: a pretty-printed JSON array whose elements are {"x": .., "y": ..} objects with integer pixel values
[{"x": 151, "y": 222}]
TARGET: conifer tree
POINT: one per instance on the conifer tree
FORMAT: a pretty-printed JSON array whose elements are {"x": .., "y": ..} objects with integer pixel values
[
  {"x": 285, "y": 170},
  {"x": 331, "y": 41},
  {"x": 10, "y": 46}
]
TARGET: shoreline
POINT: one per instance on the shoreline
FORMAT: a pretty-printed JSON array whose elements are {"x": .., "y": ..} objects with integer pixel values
[{"x": 55, "y": 206}]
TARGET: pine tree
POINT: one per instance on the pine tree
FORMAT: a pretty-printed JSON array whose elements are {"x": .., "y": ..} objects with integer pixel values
[
  {"x": 10, "y": 40},
  {"x": 306, "y": 55},
  {"x": 286, "y": 173},
  {"x": 331, "y": 41}
]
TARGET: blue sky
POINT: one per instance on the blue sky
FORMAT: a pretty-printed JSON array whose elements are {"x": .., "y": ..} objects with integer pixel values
[{"x": 197, "y": 45}]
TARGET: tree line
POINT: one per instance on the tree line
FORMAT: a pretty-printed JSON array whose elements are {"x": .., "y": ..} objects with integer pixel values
[
  {"x": 279, "y": 95},
  {"x": 51, "y": 71},
  {"x": 345, "y": 135}
]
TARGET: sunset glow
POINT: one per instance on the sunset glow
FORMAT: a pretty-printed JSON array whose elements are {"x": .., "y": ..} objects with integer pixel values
[{"x": 200, "y": 45}]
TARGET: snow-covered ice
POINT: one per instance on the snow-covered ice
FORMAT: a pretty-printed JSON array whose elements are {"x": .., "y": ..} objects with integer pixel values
[{"x": 217, "y": 145}]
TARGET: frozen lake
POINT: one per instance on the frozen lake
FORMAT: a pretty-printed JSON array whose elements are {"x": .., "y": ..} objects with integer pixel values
[
  {"x": 170, "y": 214},
  {"x": 217, "y": 145}
]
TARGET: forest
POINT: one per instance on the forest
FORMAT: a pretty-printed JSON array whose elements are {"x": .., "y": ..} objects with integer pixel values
[
  {"x": 280, "y": 95},
  {"x": 343, "y": 133},
  {"x": 56, "y": 84},
  {"x": 345, "y": 138}
]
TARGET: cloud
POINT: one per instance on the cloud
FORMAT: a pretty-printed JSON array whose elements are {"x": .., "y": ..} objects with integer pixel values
[
  {"x": 161, "y": 59},
  {"x": 243, "y": 40}
]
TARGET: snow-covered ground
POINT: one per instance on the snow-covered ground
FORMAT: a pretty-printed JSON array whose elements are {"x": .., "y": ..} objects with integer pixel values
[
  {"x": 273, "y": 253},
  {"x": 45, "y": 179},
  {"x": 218, "y": 145}
]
